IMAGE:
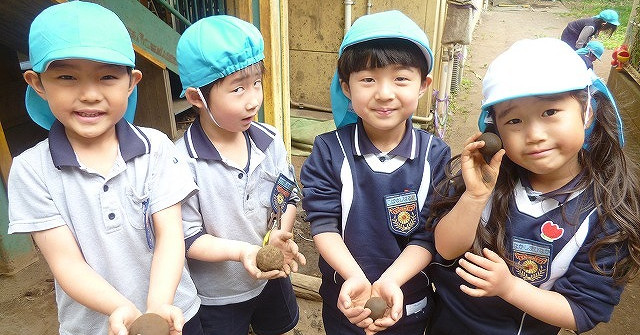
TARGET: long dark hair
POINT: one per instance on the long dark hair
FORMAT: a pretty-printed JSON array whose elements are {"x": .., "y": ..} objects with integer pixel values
[
  {"x": 604, "y": 26},
  {"x": 606, "y": 171}
]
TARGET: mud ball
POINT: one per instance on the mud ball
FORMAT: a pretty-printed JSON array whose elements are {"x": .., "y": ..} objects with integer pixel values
[
  {"x": 149, "y": 324},
  {"x": 492, "y": 144},
  {"x": 269, "y": 258},
  {"x": 377, "y": 306}
]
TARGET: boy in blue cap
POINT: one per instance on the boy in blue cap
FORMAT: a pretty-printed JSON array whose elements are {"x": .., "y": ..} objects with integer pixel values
[
  {"x": 94, "y": 195},
  {"x": 368, "y": 185},
  {"x": 247, "y": 185},
  {"x": 579, "y": 32},
  {"x": 592, "y": 51}
]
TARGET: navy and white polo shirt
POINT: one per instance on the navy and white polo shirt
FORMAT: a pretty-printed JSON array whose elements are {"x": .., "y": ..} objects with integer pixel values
[
  {"x": 549, "y": 237},
  {"x": 377, "y": 201},
  {"x": 49, "y": 188},
  {"x": 233, "y": 203}
]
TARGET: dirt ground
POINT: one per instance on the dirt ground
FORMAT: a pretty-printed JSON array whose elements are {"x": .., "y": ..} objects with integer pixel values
[{"x": 27, "y": 302}]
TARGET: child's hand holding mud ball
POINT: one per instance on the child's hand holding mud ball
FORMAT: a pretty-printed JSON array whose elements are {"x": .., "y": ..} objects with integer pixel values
[
  {"x": 149, "y": 324},
  {"x": 269, "y": 258}
]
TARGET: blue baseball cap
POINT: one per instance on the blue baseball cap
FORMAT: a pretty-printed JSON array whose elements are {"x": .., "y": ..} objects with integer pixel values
[
  {"x": 609, "y": 16},
  {"x": 76, "y": 30},
  {"x": 534, "y": 67},
  {"x": 215, "y": 47},
  {"x": 389, "y": 24}
]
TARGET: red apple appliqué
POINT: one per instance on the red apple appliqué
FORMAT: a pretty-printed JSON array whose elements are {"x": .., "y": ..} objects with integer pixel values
[{"x": 551, "y": 231}]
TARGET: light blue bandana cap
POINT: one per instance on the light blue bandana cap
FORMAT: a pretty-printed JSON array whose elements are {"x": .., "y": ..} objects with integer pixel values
[
  {"x": 609, "y": 16},
  {"x": 215, "y": 47},
  {"x": 594, "y": 47},
  {"x": 390, "y": 24},
  {"x": 76, "y": 30},
  {"x": 539, "y": 67}
]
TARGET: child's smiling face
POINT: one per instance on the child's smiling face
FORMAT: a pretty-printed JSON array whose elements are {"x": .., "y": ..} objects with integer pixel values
[
  {"x": 384, "y": 98},
  {"x": 543, "y": 134},
  {"x": 87, "y": 97}
]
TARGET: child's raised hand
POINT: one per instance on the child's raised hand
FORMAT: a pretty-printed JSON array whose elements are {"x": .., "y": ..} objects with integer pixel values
[
  {"x": 393, "y": 296},
  {"x": 489, "y": 274},
  {"x": 479, "y": 177},
  {"x": 121, "y": 318},
  {"x": 354, "y": 293},
  {"x": 283, "y": 240},
  {"x": 248, "y": 260}
]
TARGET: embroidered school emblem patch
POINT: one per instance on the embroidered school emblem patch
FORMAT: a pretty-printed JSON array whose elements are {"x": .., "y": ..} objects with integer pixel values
[
  {"x": 402, "y": 212},
  {"x": 550, "y": 231},
  {"x": 281, "y": 193},
  {"x": 532, "y": 260}
]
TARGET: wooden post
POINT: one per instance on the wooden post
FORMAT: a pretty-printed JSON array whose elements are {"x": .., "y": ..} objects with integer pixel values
[
  {"x": 274, "y": 27},
  {"x": 155, "y": 105},
  {"x": 436, "y": 14},
  {"x": 241, "y": 9}
]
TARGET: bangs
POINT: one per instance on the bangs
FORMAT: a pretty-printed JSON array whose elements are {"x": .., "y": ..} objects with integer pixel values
[{"x": 380, "y": 53}]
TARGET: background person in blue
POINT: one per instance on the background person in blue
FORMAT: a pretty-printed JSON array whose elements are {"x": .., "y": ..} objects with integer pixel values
[
  {"x": 244, "y": 174},
  {"x": 592, "y": 51},
  {"x": 367, "y": 185},
  {"x": 579, "y": 32},
  {"x": 549, "y": 230},
  {"x": 101, "y": 197}
]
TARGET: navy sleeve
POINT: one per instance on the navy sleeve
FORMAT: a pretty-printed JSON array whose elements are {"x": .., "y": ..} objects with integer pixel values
[
  {"x": 439, "y": 155},
  {"x": 321, "y": 188},
  {"x": 591, "y": 295}
]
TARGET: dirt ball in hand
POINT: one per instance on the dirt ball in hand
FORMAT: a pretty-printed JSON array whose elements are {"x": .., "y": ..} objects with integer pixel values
[
  {"x": 492, "y": 144},
  {"x": 377, "y": 306},
  {"x": 149, "y": 324},
  {"x": 269, "y": 258}
]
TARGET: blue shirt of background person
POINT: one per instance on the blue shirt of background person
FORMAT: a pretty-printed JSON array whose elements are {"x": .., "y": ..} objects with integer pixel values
[
  {"x": 543, "y": 237},
  {"x": 245, "y": 179},
  {"x": 96, "y": 195},
  {"x": 368, "y": 185},
  {"x": 577, "y": 33}
]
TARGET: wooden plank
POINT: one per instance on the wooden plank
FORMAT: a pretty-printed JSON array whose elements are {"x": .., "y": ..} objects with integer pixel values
[
  {"x": 147, "y": 31},
  {"x": 155, "y": 105},
  {"x": 305, "y": 286}
]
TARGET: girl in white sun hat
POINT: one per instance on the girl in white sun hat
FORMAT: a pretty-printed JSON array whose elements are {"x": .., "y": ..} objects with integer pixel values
[{"x": 546, "y": 234}]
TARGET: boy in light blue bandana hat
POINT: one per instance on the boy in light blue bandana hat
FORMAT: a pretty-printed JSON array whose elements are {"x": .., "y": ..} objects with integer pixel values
[
  {"x": 368, "y": 185},
  {"x": 94, "y": 195},
  {"x": 248, "y": 192},
  {"x": 592, "y": 51},
  {"x": 553, "y": 215}
]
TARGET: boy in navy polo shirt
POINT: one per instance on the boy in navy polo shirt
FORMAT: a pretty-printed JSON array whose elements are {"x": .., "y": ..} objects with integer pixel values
[
  {"x": 246, "y": 183},
  {"x": 367, "y": 185},
  {"x": 100, "y": 197}
]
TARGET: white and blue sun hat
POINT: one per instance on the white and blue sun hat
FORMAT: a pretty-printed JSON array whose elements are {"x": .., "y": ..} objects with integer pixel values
[
  {"x": 76, "y": 30},
  {"x": 534, "y": 67},
  {"x": 389, "y": 24}
]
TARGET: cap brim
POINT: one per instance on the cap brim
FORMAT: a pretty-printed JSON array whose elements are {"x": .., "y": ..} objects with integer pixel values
[
  {"x": 39, "y": 111},
  {"x": 98, "y": 54}
]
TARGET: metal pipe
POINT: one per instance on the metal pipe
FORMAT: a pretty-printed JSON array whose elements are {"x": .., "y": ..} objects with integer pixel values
[
  {"x": 347, "y": 14},
  {"x": 174, "y": 12},
  {"x": 304, "y": 105}
]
